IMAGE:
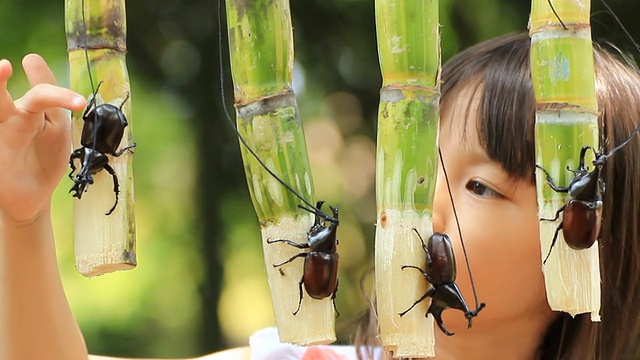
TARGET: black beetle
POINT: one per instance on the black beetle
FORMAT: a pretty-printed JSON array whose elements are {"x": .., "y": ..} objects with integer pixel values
[
  {"x": 102, "y": 133},
  {"x": 441, "y": 274},
  {"x": 581, "y": 215},
  {"x": 320, "y": 276}
]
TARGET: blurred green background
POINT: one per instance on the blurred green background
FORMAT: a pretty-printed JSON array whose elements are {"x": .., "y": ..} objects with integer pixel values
[{"x": 200, "y": 285}]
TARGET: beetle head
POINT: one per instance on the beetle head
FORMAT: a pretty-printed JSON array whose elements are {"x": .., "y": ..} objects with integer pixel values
[{"x": 80, "y": 184}]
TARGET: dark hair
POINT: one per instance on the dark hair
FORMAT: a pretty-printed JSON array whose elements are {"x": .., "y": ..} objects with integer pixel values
[{"x": 498, "y": 71}]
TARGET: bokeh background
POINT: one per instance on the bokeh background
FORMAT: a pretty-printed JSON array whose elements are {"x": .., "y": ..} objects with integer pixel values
[{"x": 200, "y": 285}]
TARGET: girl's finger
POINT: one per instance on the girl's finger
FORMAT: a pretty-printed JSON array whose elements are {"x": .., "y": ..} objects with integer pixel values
[
  {"x": 6, "y": 103},
  {"x": 38, "y": 73},
  {"x": 46, "y": 96},
  {"x": 37, "y": 70}
]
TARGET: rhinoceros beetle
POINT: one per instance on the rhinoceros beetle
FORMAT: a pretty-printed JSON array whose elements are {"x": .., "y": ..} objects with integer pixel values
[
  {"x": 580, "y": 223},
  {"x": 320, "y": 274},
  {"x": 441, "y": 274},
  {"x": 581, "y": 215},
  {"x": 102, "y": 133}
]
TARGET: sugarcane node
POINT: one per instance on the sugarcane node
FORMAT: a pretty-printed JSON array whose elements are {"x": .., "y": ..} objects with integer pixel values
[
  {"x": 320, "y": 271},
  {"x": 102, "y": 132},
  {"x": 581, "y": 215},
  {"x": 441, "y": 275}
]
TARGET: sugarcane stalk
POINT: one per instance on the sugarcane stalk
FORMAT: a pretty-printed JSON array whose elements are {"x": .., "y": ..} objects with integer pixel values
[
  {"x": 102, "y": 243},
  {"x": 562, "y": 69},
  {"x": 267, "y": 117},
  {"x": 406, "y": 169}
]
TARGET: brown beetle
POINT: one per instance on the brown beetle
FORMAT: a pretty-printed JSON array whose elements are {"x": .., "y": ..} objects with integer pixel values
[
  {"x": 581, "y": 215},
  {"x": 320, "y": 276}
]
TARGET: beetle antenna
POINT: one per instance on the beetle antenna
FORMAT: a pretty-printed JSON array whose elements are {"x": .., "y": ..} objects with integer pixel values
[
  {"x": 464, "y": 248},
  {"x": 556, "y": 14},
  {"x": 316, "y": 211}
]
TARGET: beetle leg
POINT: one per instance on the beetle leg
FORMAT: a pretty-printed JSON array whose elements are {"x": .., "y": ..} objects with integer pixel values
[
  {"x": 126, "y": 148},
  {"x": 289, "y": 242},
  {"x": 333, "y": 298},
  {"x": 429, "y": 292},
  {"x": 290, "y": 259},
  {"x": 301, "y": 294},
  {"x": 75, "y": 155},
  {"x": 425, "y": 273},
  {"x": 116, "y": 187},
  {"x": 551, "y": 183},
  {"x": 553, "y": 242},
  {"x": 557, "y": 216},
  {"x": 125, "y": 100},
  {"x": 415, "y": 267},
  {"x": 424, "y": 246}
]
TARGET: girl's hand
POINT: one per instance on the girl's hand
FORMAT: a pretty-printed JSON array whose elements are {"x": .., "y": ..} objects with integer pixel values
[{"x": 35, "y": 138}]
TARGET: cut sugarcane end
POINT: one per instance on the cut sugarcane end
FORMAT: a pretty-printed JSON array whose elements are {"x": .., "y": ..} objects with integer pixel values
[
  {"x": 106, "y": 243},
  {"x": 572, "y": 277},
  {"x": 315, "y": 321},
  {"x": 411, "y": 335}
]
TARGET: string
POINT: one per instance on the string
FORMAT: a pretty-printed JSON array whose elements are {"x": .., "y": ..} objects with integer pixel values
[
  {"x": 464, "y": 248},
  {"x": 311, "y": 207}
]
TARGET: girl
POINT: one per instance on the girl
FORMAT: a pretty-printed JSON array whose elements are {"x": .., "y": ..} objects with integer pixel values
[{"x": 487, "y": 142}]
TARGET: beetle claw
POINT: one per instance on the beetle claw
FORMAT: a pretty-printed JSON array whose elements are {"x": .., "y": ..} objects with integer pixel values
[{"x": 436, "y": 311}]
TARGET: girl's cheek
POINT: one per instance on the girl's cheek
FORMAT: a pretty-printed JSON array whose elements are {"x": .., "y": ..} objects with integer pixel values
[{"x": 503, "y": 249}]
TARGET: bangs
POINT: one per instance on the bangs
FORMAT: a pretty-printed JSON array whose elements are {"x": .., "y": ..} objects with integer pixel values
[{"x": 498, "y": 73}]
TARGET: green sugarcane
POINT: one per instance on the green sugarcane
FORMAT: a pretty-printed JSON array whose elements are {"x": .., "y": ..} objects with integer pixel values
[
  {"x": 562, "y": 69},
  {"x": 406, "y": 169},
  {"x": 261, "y": 49},
  {"x": 96, "y": 33}
]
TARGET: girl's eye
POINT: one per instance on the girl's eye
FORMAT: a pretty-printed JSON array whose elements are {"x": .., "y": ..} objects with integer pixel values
[{"x": 481, "y": 190}]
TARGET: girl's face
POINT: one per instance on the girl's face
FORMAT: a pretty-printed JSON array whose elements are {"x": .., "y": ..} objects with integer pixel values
[{"x": 499, "y": 224}]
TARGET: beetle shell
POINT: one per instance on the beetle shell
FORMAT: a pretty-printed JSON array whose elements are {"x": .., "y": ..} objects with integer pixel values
[
  {"x": 320, "y": 274},
  {"x": 442, "y": 262},
  {"x": 581, "y": 223},
  {"x": 103, "y": 128}
]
